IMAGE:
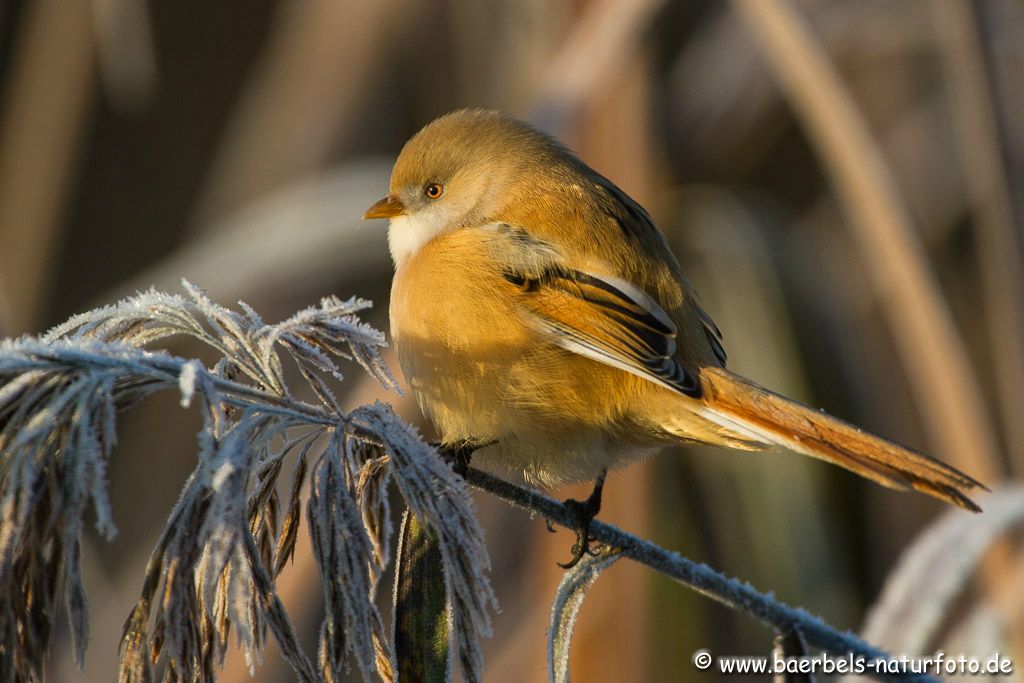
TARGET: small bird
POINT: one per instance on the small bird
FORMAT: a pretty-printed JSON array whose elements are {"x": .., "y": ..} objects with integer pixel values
[{"x": 542, "y": 322}]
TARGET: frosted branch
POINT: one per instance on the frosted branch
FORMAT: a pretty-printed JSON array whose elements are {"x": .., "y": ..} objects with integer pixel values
[{"x": 732, "y": 593}]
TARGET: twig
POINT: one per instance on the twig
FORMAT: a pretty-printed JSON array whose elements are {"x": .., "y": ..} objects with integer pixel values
[{"x": 701, "y": 578}]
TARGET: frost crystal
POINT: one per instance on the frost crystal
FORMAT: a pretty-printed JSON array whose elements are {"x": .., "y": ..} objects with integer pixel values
[{"x": 187, "y": 383}]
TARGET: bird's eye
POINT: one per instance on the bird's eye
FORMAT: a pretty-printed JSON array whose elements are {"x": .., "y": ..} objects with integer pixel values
[{"x": 433, "y": 190}]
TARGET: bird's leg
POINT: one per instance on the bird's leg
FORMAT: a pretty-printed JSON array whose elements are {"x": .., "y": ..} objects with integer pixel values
[
  {"x": 462, "y": 456},
  {"x": 585, "y": 512},
  {"x": 458, "y": 455}
]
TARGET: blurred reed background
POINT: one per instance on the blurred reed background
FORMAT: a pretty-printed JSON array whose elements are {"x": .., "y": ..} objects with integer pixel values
[{"x": 841, "y": 181}]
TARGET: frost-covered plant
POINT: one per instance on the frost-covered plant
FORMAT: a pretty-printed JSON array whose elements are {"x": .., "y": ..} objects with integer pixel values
[{"x": 228, "y": 536}]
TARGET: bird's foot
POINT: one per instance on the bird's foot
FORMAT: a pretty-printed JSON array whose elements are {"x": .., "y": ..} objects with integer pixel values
[
  {"x": 585, "y": 511},
  {"x": 458, "y": 456},
  {"x": 582, "y": 546}
]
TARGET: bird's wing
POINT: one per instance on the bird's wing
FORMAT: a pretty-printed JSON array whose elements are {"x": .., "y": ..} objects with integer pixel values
[
  {"x": 634, "y": 221},
  {"x": 595, "y": 315}
]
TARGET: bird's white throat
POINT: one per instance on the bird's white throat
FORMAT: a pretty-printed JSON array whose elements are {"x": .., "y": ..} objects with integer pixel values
[{"x": 408, "y": 234}]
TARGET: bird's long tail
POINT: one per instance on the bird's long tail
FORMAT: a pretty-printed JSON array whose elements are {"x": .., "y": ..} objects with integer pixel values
[{"x": 752, "y": 413}]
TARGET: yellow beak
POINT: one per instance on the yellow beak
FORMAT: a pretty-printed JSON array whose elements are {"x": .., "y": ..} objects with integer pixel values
[{"x": 389, "y": 207}]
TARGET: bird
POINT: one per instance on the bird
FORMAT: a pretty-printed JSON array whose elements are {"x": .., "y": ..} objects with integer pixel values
[{"x": 544, "y": 325}]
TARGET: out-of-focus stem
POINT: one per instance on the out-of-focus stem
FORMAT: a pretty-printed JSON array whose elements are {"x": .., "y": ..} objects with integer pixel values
[
  {"x": 45, "y": 104},
  {"x": 922, "y": 327},
  {"x": 973, "y": 97}
]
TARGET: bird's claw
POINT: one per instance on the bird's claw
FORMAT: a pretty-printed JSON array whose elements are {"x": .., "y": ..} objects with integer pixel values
[
  {"x": 458, "y": 456},
  {"x": 579, "y": 551},
  {"x": 585, "y": 512}
]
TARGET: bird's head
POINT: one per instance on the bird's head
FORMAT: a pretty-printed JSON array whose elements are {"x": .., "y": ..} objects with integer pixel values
[{"x": 459, "y": 170}]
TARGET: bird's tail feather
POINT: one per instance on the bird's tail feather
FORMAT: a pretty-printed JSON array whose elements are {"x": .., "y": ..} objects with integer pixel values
[{"x": 752, "y": 413}]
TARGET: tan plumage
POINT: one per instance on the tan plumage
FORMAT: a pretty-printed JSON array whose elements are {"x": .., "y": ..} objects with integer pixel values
[{"x": 537, "y": 310}]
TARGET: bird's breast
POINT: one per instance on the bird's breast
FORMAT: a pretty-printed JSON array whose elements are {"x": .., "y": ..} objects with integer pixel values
[
  {"x": 457, "y": 335},
  {"x": 451, "y": 297}
]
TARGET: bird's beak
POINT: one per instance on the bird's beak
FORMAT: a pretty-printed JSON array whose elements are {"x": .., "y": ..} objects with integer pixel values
[{"x": 389, "y": 207}]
